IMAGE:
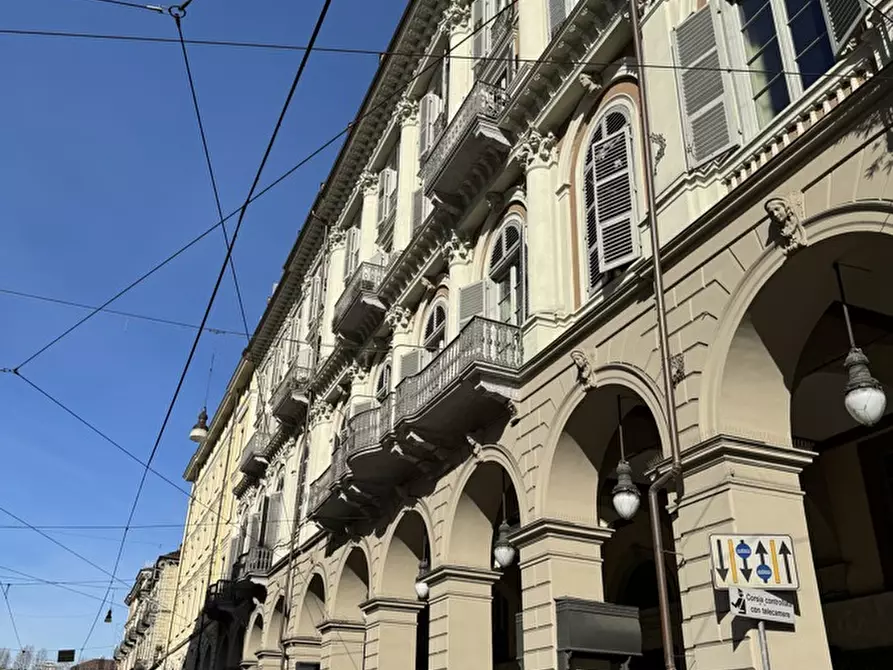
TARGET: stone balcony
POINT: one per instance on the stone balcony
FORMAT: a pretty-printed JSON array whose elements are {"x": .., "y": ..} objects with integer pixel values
[
  {"x": 252, "y": 462},
  {"x": 255, "y": 563},
  {"x": 359, "y": 302},
  {"x": 289, "y": 400},
  {"x": 471, "y": 139},
  {"x": 226, "y": 596},
  {"x": 423, "y": 423}
]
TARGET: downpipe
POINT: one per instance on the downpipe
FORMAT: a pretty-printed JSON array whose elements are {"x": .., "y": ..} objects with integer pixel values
[{"x": 666, "y": 631}]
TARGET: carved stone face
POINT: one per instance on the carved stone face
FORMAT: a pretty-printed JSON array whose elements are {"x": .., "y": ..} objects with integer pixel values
[{"x": 778, "y": 210}]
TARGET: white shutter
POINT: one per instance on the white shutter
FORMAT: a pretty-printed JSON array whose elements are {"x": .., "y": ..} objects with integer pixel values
[
  {"x": 474, "y": 301},
  {"x": 557, "y": 14},
  {"x": 843, "y": 18},
  {"x": 274, "y": 520},
  {"x": 410, "y": 364},
  {"x": 704, "y": 88},
  {"x": 352, "y": 252},
  {"x": 616, "y": 227},
  {"x": 382, "y": 194},
  {"x": 424, "y": 114},
  {"x": 253, "y": 530}
]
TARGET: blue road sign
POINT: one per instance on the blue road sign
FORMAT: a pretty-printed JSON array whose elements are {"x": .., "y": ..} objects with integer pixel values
[
  {"x": 764, "y": 572},
  {"x": 743, "y": 550}
]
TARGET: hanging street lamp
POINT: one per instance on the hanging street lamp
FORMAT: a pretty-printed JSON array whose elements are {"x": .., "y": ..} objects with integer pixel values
[
  {"x": 200, "y": 430},
  {"x": 421, "y": 586},
  {"x": 625, "y": 496}
]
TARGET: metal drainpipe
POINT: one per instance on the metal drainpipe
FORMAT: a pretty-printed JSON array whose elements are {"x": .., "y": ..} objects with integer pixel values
[{"x": 675, "y": 471}]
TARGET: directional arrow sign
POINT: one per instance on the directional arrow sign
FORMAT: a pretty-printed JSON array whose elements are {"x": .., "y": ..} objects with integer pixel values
[{"x": 753, "y": 562}]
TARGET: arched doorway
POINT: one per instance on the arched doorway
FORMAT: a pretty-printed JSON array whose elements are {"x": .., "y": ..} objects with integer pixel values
[
  {"x": 344, "y": 636},
  {"x": 486, "y": 509},
  {"x": 787, "y": 354},
  {"x": 408, "y": 547},
  {"x": 614, "y": 422},
  {"x": 254, "y": 640},
  {"x": 305, "y": 651}
]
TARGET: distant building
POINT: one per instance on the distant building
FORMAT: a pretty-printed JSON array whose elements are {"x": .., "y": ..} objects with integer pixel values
[{"x": 92, "y": 664}]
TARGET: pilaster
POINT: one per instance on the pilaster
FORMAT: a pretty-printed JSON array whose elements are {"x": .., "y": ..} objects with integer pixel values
[
  {"x": 457, "y": 23},
  {"x": 533, "y": 29},
  {"x": 407, "y": 182},
  {"x": 369, "y": 214},
  {"x": 735, "y": 486},
  {"x": 342, "y": 645},
  {"x": 334, "y": 288},
  {"x": 391, "y": 633},
  {"x": 459, "y": 254},
  {"x": 460, "y": 628},
  {"x": 399, "y": 319},
  {"x": 557, "y": 558}
]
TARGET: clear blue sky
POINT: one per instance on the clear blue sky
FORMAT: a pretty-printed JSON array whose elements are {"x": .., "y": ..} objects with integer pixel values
[{"x": 102, "y": 176}]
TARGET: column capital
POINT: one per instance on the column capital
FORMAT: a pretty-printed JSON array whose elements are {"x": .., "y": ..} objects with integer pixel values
[
  {"x": 407, "y": 111},
  {"x": 458, "y": 249},
  {"x": 320, "y": 412},
  {"x": 556, "y": 528},
  {"x": 534, "y": 149},
  {"x": 341, "y": 626},
  {"x": 268, "y": 653},
  {"x": 337, "y": 239},
  {"x": 385, "y": 604},
  {"x": 461, "y": 574},
  {"x": 368, "y": 182},
  {"x": 398, "y": 318},
  {"x": 457, "y": 16},
  {"x": 300, "y": 641}
]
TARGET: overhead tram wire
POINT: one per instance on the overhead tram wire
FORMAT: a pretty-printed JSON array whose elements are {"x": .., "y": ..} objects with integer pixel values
[
  {"x": 298, "y": 76},
  {"x": 12, "y": 619},
  {"x": 201, "y": 130},
  {"x": 157, "y": 9},
  {"x": 56, "y": 585}
]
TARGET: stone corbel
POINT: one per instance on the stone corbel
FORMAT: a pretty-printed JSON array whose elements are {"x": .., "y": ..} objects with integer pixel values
[
  {"x": 337, "y": 239},
  {"x": 785, "y": 229},
  {"x": 398, "y": 318},
  {"x": 458, "y": 249},
  {"x": 407, "y": 110},
  {"x": 585, "y": 373},
  {"x": 368, "y": 182}
]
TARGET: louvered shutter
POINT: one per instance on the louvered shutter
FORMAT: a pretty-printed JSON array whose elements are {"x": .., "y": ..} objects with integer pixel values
[
  {"x": 382, "y": 194},
  {"x": 473, "y": 301},
  {"x": 253, "y": 530},
  {"x": 843, "y": 18},
  {"x": 424, "y": 122},
  {"x": 477, "y": 20},
  {"x": 410, "y": 364},
  {"x": 274, "y": 520},
  {"x": 352, "y": 255},
  {"x": 704, "y": 86},
  {"x": 235, "y": 549},
  {"x": 557, "y": 15},
  {"x": 616, "y": 229}
]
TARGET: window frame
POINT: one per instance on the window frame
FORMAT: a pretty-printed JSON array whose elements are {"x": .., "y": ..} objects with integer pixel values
[
  {"x": 630, "y": 109},
  {"x": 383, "y": 380},
  {"x": 518, "y": 287},
  {"x": 440, "y": 332}
]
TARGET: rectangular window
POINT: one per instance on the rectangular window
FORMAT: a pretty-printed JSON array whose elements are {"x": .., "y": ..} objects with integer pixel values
[{"x": 763, "y": 53}]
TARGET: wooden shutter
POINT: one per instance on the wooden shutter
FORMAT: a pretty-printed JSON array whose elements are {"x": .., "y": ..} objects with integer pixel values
[
  {"x": 557, "y": 15},
  {"x": 843, "y": 18},
  {"x": 382, "y": 194},
  {"x": 253, "y": 530},
  {"x": 424, "y": 122},
  {"x": 352, "y": 255},
  {"x": 704, "y": 88},
  {"x": 235, "y": 549},
  {"x": 473, "y": 301},
  {"x": 410, "y": 364},
  {"x": 616, "y": 228},
  {"x": 274, "y": 520}
]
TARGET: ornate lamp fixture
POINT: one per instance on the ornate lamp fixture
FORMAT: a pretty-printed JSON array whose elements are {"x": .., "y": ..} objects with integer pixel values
[
  {"x": 200, "y": 430},
  {"x": 504, "y": 552},
  {"x": 626, "y": 496}
]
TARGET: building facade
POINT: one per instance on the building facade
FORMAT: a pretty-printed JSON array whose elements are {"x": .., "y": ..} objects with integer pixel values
[
  {"x": 151, "y": 606},
  {"x": 463, "y": 347}
]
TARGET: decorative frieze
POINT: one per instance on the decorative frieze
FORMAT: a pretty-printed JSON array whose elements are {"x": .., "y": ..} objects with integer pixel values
[{"x": 785, "y": 228}]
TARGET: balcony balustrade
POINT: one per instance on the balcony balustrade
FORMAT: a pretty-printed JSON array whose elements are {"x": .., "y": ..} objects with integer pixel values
[
  {"x": 469, "y": 137},
  {"x": 359, "y": 299},
  {"x": 256, "y": 562},
  {"x": 288, "y": 402},
  {"x": 253, "y": 463},
  {"x": 226, "y": 596}
]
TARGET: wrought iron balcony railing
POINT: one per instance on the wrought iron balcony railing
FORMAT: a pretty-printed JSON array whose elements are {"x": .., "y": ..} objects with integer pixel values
[
  {"x": 252, "y": 463},
  {"x": 325, "y": 484},
  {"x": 484, "y": 100},
  {"x": 367, "y": 429},
  {"x": 286, "y": 397},
  {"x": 365, "y": 279}
]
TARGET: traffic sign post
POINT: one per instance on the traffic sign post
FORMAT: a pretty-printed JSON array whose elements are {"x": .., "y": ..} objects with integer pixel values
[
  {"x": 763, "y": 606},
  {"x": 754, "y": 562}
]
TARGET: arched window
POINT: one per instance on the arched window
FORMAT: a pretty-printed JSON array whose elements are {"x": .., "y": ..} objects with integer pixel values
[
  {"x": 435, "y": 327},
  {"x": 383, "y": 383},
  {"x": 609, "y": 196},
  {"x": 507, "y": 272}
]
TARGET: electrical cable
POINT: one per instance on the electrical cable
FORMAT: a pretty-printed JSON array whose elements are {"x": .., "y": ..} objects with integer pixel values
[
  {"x": 12, "y": 619},
  {"x": 55, "y": 584},
  {"x": 157, "y": 9},
  {"x": 298, "y": 75}
]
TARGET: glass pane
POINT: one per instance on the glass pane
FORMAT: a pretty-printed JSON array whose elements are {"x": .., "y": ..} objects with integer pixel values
[
  {"x": 772, "y": 100},
  {"x": 759, "y": 26},
  {"x": 815, "y": 61},
  {"x": 812, "y": 48}
]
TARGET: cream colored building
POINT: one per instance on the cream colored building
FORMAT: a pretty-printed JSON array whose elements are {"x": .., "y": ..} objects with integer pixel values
[
  {"x": 467, "y": 321},
  {"x": 151, "y": 605}
]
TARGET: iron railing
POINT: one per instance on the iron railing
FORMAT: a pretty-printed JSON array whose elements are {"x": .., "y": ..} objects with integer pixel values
[
  {"x": 256, "y": 445},
  {"x": 322, "y": 485},
  {"x": 257, "y": 561},
  {"x": 501, "y": 25},
  {"x": 296, "y": 377},
  {"x": 480, "y": 341},
  {"x": 484, "y": 100},
  {"x": 365, "y": 279}
]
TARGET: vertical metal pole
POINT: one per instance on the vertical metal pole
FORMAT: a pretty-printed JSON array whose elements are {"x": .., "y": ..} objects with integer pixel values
[
  {"x": 764, "y": 647},
  {"x": 664, "y": 343}
]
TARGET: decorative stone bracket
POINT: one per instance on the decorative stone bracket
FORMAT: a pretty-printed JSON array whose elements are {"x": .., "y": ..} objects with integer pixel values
[
  {"x": 785, "y": 229},
  {"x": 503, "y": 394},
  {"x": 585, "y": 373}
]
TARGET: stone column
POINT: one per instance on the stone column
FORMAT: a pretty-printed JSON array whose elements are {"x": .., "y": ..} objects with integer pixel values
[
  {"x": 334, "y": 288},
  {"x": 459, "y": 255},
  {"x": 533, "y": 29},
  {"x": 460, "y": 629},
  {"x": 407, "y": 170},
  {"x": 457, "y": 22},
  {"x": 391, "y": 633},
  {"x": 369, "y": 214},
  {"x": 269, "y": 659},
  {"x": 557, "y": 558},
  {"x": 302, "y": 652},
  {"x": 342, "y": 645},
  {"x": 400, "y": 320},
  {"x": 736, "y": 486},
  {"x": 548, "y": 296}
]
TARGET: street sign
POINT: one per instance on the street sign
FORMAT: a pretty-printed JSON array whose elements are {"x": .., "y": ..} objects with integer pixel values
[
  {"x": 65, "y": 656},
  {"x": 760, "y": 605},
  {"x": 754, "y": 562}
]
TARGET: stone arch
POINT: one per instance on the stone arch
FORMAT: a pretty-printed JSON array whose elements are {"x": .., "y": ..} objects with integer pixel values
[
  {"x": 313, "y": 605},
  {"x": 254, "y": 639},
  {"x": 352, "y": 585},
  {"x": 404, "y": 546},
  {"x": 476, "y": 504},
  {"x": 572, "y": 462},
  {"x": 736, "y": 358},
  {"x": 275, "y": 618}
]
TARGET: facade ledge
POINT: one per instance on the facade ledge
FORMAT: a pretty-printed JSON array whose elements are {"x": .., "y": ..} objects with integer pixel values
[
  {"x": 461, "y": 573},
  {"x": 387, "y": 604},
  {"x": 341, "y": 625},
  {"x": 542, "y": 528}
]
